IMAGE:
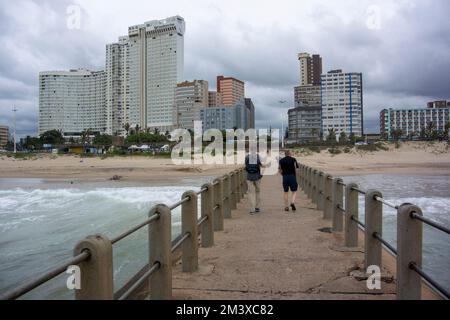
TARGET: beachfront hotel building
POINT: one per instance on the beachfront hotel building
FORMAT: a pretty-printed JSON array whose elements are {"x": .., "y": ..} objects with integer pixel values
[
  {"x": 4, "y": 135},
  {"x": 153, "y": 64},
  {"x": 231, "y": 90},
  {"x": 414, "y": 122},
  {"x": 342, "y": 103},
  {"x": 304, "y": 120},
  {"x": 190, "y": 97},
  {"x": 214, "y": 99},
  {"x": 72, "y": 101}
]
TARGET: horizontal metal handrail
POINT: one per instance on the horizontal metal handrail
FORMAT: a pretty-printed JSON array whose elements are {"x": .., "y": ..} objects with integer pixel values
[
  {"x": 341, "y": 183},
  {"x": 179, "y": 203},
  {"x": 431, "y": 281},
  {"x": 139, "y": 282},
  {"x": 136, "y": 228},
  {"x": 380, "y": 199},
  {"x": 216, "y": 207},
  {"x": 180, "y": 242},
  {"x": 377, "y": 236},
  {"x": 46, "y": 276},
  {"x": 202, "y": 221},
  {"x": 359, "y": 190},
  {"x": 202, "y": 191},
  {"x": 338, "y": 206},
  {"x": 358, "y": 222},
  {"x": 430, "y": 223}
]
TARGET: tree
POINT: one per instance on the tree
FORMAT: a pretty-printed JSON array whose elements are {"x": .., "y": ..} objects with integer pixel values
[
  {"x": 331, "y": 135},
  {"x": 430, "y": 131},
  {"x": 397, "y": 134},
  {"x": 314, "y": 132},
  {"x": 52, "y": 137},
  {"x": 86, "y": 136},
  {"x": 127, "y": 127},
  {"x": 447, "y": 131},
  {"x": 32, "y": 143},
  {"x": 352, "y": 138},
  {"x": 103, "y": 139},
  {"x": 343, "y": 138}
]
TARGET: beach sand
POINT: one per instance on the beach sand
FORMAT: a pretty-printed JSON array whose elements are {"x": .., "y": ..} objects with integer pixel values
[{"x": 410, "y": 158}]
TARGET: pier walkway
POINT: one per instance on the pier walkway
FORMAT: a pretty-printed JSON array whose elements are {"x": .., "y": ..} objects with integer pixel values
[{"x": 276, "y": 255}]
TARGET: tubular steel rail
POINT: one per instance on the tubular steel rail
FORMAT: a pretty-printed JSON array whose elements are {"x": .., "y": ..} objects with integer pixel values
[
  {"x": 93, "y": 255},
  {"x": 327, "y": 192}
]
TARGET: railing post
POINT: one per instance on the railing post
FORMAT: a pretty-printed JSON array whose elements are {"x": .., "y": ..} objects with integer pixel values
[
  {"x": 337, "y": 200},
  {"x": 207, "y": 228},
  {"x": 233, "y": 191},
  {"x": 189, "y": 219},
  {"x": 409, "y": 248},
  {"x": 309, "y": 174},
  {"x": 238, "y": 184},
  {"x": 327, "y": 212},
  {"x": 352, "y": 210},
  {"x": 218, "y": 201},
  {"x": 96, "y": 272},
  {"x": 314, "y": 186},
  {"x": 373, "y": 219},
  {"x": 300, "y": 176},
  {"x": 160, "y": 242},
  {"x": 320, "y": 197},
  {"x": 226, "y": 196}
]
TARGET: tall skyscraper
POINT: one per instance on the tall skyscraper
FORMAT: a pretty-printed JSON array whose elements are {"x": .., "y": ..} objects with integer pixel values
[
  {"x": 152, "y": 58},
  {"x": 72, "y": 101},
  {"x": 190, "y": 97},
  {"x": 231, "y": 89},
  {"x": 305, "y": 118},
  {"x": 342, "y": 103}
]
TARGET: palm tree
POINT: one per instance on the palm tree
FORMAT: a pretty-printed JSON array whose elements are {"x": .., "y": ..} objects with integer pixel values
[
  {"x": 447, "y": 130},
  {"x": 430, "y": 129},
  {"x": 331, "y": 135},
  {"x": 397, "y": 134},
  {"x": 127, "y": 128}
]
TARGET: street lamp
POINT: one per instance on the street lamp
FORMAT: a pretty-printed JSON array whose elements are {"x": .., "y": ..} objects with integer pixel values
[{"x": 14, "y": 122}]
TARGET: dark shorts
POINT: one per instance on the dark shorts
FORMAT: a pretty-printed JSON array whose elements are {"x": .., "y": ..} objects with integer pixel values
[{"x": 290, "y": 182}]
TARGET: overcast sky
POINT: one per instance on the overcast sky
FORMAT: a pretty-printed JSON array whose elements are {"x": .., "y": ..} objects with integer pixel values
[{"x": 402, "y": 47}]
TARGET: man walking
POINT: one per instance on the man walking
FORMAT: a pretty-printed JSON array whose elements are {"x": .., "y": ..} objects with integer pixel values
[
  {"x": 287, "y": 169},
  {"x": 253, "y": 167}
]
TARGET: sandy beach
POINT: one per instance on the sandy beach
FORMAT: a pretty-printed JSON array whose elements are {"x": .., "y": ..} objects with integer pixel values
[{"x": 410, "y": 158}]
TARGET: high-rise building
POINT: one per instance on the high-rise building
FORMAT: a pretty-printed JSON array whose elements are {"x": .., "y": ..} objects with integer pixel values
[
  {"x": 4, "y": 135},
  {"x": 215, "y": 99},
  {"x": 117, "y": 87},
  {"x": 72, "y": 101},
  {"x": 190, "y": 97},
  {"x": 415, "y": 123},
  {"x": 342, "y": 103},
  {"x": 231, "y": 89},
  {"x": 310, "y": 69},
  {"x": 156, "y": 62},
  {"x": 305, "y": 119}
]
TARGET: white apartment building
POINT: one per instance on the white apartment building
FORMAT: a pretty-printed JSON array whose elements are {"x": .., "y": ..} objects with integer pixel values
[
  {"x": 342, "y": 103},
  {"x": 72, "y": 101},
  {"x": 156, "y": 62},
  {"x": 190, "y": 97}
]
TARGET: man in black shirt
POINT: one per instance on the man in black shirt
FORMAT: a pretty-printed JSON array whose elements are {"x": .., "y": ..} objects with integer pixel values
[{"x": 287, "y": 169}]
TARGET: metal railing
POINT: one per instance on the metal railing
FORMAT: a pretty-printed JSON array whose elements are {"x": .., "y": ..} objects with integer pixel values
[
  {"x": 93, "y": 255},
  {"x": 327, "y": 192}
]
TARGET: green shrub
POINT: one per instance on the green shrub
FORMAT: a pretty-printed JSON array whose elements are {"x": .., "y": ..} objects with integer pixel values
[
  {"x": 347, "y": 150},
  {"x": 334, "y": 151},
  {"x": 314, "y": 149}
]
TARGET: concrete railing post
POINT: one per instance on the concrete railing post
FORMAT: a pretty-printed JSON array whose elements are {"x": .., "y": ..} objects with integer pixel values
[
  {"x": 409, "y": 248},
  {"x": 328, "y": 207},
  {"x": 373, "y": 221},
  {"x": 309, "y": 175},
  {"x": 96, "y": 272},
  {"x": 352, "y": 210},
  {"x": 314, "y": 186},
  {"x": 320, "y": 197},
  {"x": 189, "y": 219},
  {"x": 227, "y": 196},
  {"x": 300, "y": 176},
  {"x": 239, "y": 184},
  {"x": 160, "y": 242},
  {"x": 218, "y": 204},
  {"x": 207, "y": 228},
  {"x": 233, "y": 194},
  {"x": 337, "y": 196}
]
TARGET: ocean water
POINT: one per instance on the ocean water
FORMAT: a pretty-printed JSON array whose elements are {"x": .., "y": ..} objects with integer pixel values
[
  {"x": 42, "y": 220},
  {"x": 432, "y": 195}
]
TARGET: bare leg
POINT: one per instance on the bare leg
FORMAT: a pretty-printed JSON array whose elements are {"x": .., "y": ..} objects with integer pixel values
[
  {"x": 286, "y": 199},
  {"x": 294, "y": 196}
]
